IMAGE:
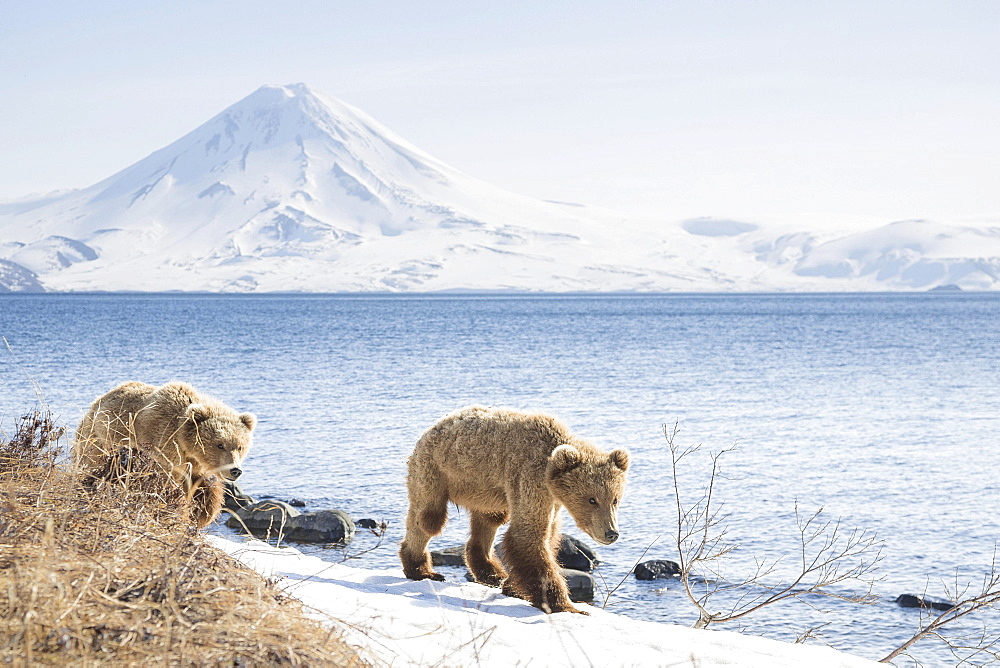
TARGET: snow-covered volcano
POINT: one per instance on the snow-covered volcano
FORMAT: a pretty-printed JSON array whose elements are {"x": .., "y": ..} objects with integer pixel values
[{"x": 288, "y": 190}]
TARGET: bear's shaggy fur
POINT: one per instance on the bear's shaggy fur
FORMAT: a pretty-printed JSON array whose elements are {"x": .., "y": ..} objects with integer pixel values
[
  {"x": 508, "y": 465},
  {"x": 190, "y": 437}
]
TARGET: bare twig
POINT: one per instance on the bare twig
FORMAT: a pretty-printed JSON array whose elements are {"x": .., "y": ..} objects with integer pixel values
[
  {"x": 622, "y": 581},
  {"x": 828, "y": 555},
  {"x": 379, "y": 532},
  {"x": 967, "y": 647}
]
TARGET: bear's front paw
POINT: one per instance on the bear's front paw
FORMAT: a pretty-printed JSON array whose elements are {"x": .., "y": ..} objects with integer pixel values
[
  {"x": 423, "y": 573},
  {"x": 560, "y": 608}
]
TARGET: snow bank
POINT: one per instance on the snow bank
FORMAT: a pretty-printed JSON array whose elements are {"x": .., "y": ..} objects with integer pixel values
[{"x": 401, "y": 622}]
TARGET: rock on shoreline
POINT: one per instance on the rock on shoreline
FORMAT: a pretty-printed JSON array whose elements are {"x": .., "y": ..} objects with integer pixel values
[{"x": 281, "y": 521}]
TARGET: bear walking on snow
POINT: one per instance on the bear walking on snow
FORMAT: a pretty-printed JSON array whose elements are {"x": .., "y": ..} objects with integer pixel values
[
  {"x": 190, "y": 437},
  {"x": 508, "y": 465}
]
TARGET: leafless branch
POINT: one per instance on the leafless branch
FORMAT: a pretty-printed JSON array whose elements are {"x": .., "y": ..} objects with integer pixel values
[
  {"x": 828, "y": 558},
  {"x": 964, "y": 648},
  {"x": 378, "y": 532},
  {"x": 597, "y": 570}
]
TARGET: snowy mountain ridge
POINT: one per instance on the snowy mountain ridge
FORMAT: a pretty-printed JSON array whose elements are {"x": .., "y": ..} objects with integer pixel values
[{"x": 288, "y": 190}]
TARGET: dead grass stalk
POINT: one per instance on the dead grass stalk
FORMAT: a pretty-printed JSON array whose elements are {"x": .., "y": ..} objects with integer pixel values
[{"x": 116, "y": 575}]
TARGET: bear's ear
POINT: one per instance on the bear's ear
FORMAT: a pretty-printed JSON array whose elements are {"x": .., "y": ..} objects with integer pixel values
[
  {"x": 564, "y": 458},
  {"x": 249, "y": 420},
  {"x": 198, "y": 412},
  {"x": 619, "y": 458}
]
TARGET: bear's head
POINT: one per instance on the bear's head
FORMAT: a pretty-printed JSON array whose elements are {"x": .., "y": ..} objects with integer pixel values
[
  {"x": 590, "y": 486},
  {"x": 218, "y": 438}
]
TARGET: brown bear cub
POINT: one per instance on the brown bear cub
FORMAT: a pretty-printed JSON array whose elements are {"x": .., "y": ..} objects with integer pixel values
[
  {"x": 190, "y": 437},
  {"x": 508, "y": 465}
]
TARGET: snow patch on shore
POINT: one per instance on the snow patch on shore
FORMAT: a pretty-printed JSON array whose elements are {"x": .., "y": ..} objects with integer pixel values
[{"x": 402, "y": 622}]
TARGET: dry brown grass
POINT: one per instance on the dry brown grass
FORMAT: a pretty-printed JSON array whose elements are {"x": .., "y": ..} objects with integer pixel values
[{"x": 115, "y": 575}]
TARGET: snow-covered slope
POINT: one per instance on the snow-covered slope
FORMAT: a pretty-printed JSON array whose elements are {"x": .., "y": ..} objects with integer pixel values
[
  {"x": 395, "y": 621},
  {"x": 288, "y": 190},
  {"x": 909, "y": 253}
]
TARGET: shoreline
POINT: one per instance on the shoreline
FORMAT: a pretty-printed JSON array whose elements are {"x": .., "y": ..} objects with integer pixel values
[{"x": 398, "y": 621}]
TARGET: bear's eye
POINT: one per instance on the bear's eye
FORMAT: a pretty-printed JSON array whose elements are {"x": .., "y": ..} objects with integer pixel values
[
  {"x": 615, "y": 502},
  {"x": 220, "y": 446},
  {"x": 593, "y": 501}
]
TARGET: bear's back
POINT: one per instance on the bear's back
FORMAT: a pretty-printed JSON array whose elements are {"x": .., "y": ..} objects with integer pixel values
[
  {"x": 132, "y": 413},
  {"x": 109, "y": 424},
  {"x": 111, "y": 416},
  {"x": 493, "y": 440}
]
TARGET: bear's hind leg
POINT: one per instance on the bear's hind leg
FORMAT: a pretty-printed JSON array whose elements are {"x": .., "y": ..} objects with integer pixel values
[
  {"x": 479, "y": 555},
  {"x": 425, "y": 519}
]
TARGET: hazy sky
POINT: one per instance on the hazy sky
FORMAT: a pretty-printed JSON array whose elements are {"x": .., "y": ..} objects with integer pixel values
[{"x": 785, "y": 112}]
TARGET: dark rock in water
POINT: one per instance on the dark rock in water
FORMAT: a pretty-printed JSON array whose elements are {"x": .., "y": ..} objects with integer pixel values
[
  {"x": 264, "y": 519},
  {"x": 911, "y": 601},
  {"x": 280, "y": 521},
  {"x": 572, "y": 553},
  {"x": 323, "y": 526},
  {"x": 581, "y": 585},
  {"x": 449, "y": 556},
  {"x": 656, "y": 568},
  {"x": 576, "y": 555},
  {"x": 234, "y": 498},
  {"x": 298, "y": 503},
  {"x": 366, "y": 524}
]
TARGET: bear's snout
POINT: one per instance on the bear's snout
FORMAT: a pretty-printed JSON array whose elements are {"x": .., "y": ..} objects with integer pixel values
[
  {"x": 611, "y": 536},
  {"x": 235, "y": 473}
]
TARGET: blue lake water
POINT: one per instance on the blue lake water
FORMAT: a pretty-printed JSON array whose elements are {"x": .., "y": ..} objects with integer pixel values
[{"x": 883, "y": 409}]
